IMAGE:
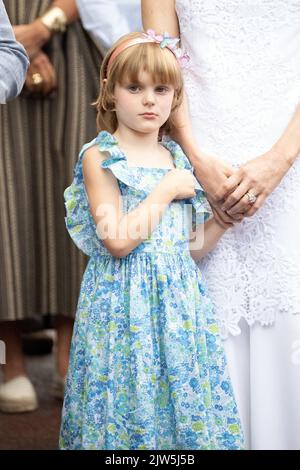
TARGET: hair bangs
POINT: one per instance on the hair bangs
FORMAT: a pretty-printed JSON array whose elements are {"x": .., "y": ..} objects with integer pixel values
[{"x": 161, "y": 64}]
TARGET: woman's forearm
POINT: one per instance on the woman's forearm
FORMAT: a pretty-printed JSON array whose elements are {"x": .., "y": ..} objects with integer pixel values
[
  {"x": 288, "y": 145},
  {"x": 161, "y": 16},
  {"x": 183, "y": 133}
]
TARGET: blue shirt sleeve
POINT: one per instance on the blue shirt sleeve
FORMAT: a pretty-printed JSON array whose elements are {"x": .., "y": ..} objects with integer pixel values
[
  {"x": 13, "y": 60},
  {"x": 108, "y": 20}
]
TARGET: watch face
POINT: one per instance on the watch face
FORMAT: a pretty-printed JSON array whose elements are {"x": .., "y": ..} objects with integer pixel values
[
  {"x": 55, "y": 20},
  {"x": 56, "y": 24}
]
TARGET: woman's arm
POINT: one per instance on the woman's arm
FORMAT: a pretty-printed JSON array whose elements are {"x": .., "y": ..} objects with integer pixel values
[
  {"x": 120, "y": 233},
  {"x": 212, "y": 173},
  {"x": 262, "y": 175},
  {"x": 288, "y": 145},
  {"x": 205, "y": 238},
  {"x": 35, "y": 35},
  {"x": 161, "y": 16}
]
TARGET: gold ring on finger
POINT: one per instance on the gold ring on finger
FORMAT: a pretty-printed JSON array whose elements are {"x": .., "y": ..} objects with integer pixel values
[{"x": 37, "y": 78}]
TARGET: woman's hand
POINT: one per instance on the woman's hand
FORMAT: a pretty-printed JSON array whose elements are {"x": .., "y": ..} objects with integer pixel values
[
  {"x": 259, "y": 177},
  {"x": 41, "y": 65},
  {"x": 32, "y": 36},
  {"x": 213, "y": 175}
]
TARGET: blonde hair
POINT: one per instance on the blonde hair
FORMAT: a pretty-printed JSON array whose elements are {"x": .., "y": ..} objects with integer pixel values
[{"x": 160, "y": 63}]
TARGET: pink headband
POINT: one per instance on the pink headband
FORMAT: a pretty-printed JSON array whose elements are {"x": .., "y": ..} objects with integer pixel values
[{"x": 163, "y": 40}]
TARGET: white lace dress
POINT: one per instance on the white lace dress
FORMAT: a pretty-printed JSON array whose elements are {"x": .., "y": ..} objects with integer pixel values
[{"x": 243, "y": 85}]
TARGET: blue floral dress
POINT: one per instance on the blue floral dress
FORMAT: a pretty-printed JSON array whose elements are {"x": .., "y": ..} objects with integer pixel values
[{"x": 147, "y": 367}]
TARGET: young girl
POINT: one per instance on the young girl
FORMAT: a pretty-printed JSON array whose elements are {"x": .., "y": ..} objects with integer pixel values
[{"x": 147, "y": 368}]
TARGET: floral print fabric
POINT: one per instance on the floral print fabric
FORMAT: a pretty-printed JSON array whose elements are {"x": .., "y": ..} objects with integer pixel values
[{"x": 147, "y": 367}]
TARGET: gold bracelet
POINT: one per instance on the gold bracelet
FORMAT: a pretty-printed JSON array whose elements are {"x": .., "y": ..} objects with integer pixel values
[{"x": 55, "y": 20}]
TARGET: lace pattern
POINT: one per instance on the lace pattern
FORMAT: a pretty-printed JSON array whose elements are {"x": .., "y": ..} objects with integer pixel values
[{"x": 243, "y": 85}]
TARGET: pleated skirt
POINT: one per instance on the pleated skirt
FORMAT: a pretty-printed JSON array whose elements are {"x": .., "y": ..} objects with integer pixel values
[{"x": 40, "y": 267}]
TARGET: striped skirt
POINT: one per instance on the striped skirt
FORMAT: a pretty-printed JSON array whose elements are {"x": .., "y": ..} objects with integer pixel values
[{"x": 40, "y": 267}]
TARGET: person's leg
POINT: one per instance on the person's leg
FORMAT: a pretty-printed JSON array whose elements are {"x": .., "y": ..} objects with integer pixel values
[
  {"x": 64, "y": 331},
  {"x": 237, "y": 354},
  {"x": 17, "y": 393},
  {"x": 64, "y": 328},
  {"x": 15, "y": 363}
]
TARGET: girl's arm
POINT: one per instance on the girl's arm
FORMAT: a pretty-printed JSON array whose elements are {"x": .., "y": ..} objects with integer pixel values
[
  {"x": 206, "y": 237},
  {"x": 121, "y": 233}
]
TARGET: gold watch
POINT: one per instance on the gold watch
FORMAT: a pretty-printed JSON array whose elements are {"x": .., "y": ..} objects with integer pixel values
[{"x": 55, "y": 20}]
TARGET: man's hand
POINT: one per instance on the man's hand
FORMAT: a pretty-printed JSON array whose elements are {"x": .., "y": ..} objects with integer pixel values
[{"x": 41, "y": 65}]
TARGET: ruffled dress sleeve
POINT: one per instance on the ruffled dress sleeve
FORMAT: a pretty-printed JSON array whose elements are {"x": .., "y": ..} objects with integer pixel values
[{"x": 79, "y": 221}]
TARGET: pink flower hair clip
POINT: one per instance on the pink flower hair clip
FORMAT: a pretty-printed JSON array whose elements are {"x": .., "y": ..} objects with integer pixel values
[{"x": 165, "y": 40}]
